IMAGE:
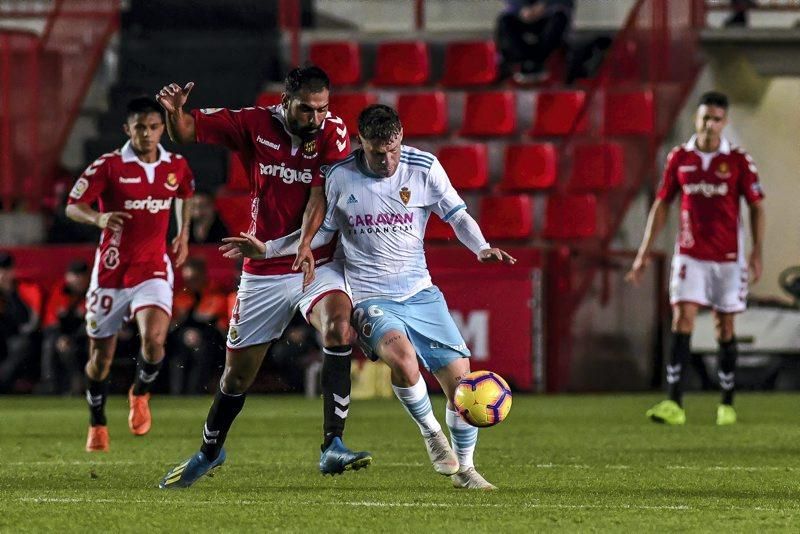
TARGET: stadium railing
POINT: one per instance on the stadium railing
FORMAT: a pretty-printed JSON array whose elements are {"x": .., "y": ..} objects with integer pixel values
[{"x": 48, "y": 55}]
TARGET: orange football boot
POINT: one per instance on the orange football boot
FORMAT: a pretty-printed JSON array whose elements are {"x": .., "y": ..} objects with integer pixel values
[
  {"x": 139, "y": 418},
  {"x": 97, "y": 441}
]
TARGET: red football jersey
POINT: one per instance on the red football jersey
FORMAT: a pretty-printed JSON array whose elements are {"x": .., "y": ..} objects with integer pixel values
[
  {"x": 711, "y": 186},
  {"x": 281, "y": 169},
  {"x": 120, "y": 181}
]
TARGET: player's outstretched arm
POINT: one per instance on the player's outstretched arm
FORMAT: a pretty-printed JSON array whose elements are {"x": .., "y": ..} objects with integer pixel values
[
  {"x": 180, "y": 125},
  {"x": 83, "y": 213},
  {"x": 469, "y": 233},
  {"x": 757, "y": 227},
  {"x": 245, "y": 246},
  {"x": 655, "y": 222},
  {"x": 248, "y": 246}
]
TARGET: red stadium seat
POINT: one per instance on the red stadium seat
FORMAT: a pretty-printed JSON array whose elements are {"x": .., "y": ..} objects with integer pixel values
[
  {"x": 438, "y": 230},
  {"x": 556, "y": 112},
  {"x": 349, "y": 105},
  {"x": 596, "y": 167},
  {"x": 629, "y": 113},
  {"x": 506, "y": 217},
  {"x": 341, "y": 60},
  {"x": 234, "y": 210},
  {"x": 470, "y": 63},
  {"x": 423, "y": 113},
  {"x": 237, "y": 175},
  {"x": 466, "y": 165},
  {"x": 402, "y": 63},
  {"x": 267, "y": 99},
  {"x": 570, "y": 216},
  {"x": 529, "y": 167},
  {"x": 490, "y": 113}
]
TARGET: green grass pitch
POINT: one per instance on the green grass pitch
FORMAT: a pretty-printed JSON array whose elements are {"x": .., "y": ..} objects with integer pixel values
[{"x": 565, "y": 463}]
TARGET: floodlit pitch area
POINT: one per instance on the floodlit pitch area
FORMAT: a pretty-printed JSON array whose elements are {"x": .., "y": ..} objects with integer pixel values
[{"x": 571, "y": 463}]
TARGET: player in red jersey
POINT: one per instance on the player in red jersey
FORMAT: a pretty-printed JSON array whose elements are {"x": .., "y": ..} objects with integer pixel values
[
  {"x": 286, "y": 150},
  {"x": 709, "y": 267},
  {"x": 132, "y": 276}
]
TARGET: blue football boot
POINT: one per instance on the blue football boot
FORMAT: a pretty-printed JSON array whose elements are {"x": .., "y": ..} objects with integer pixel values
[
  {"x": 337, "y": 459},
  {"x": 187, "y": 473}
]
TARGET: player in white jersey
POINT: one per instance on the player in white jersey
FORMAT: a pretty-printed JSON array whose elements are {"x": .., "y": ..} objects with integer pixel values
[{"x": 379, "y": 200}]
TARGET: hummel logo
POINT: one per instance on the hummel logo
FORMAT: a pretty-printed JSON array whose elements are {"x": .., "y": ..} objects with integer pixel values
[
  {"x": 263, "y": 141},
  {"x": 352, "y": 200}
]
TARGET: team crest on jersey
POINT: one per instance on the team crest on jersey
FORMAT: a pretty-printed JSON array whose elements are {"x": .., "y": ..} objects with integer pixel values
[
  {"x": 723, "y": 171},
  {"x": 405, "y": 195},
  {"x": 93, "y": 324},
  {"x": 233, "y": 335},
  {"x": 172, "y": 182},
  {"x": 310, "y": 148},
  {"x": 79, "y": 188}
]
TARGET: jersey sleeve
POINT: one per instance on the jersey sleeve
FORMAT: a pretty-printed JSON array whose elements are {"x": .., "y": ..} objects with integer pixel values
[
  {"x": 331, "y": 198},
  {"x": 443, "y": 198},
  {"x": 221, "y": 126},
  {"x": 335, "y": 149},
  {"x": 669, "y": 182},
  {"x": 186, "y": 185},
  {"x": 91, "y": 184},
  {"x": 749, "y": 184}
]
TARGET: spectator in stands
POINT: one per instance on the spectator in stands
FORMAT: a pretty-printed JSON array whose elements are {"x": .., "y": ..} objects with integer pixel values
[
  {"x": 739, "y": 17},
  {"x": 528, "y": 31},
  {"x": 206, "y": 224},
  {"x": 199, "y": 322},
  {"x": 64, "y": 340},
  {"x": 20, "y": 307}
]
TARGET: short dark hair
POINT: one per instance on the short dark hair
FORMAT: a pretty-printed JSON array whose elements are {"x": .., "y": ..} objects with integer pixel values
[
  {"x": 143, "y": 104},
  {"x": 310, "y": 78},
  {"x": 714, "y": 98},
  {"x": 379, "y": 122}
]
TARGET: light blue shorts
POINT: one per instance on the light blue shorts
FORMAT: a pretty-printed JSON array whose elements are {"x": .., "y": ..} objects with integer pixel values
[{"x": 425, "y": 320}]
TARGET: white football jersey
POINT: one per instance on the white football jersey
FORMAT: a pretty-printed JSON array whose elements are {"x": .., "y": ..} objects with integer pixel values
[{"x": 381, "y": 221}]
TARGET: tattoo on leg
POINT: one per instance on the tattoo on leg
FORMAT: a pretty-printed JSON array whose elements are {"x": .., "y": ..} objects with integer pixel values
[{"x": 392, "y": 339}]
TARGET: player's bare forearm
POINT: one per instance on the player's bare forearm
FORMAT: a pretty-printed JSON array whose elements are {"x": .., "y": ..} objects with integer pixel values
[
  {"x": 313, "y": 216},
  {"x": 185, "y": 221},
  {"x": 757, "y": 226},
  {"x": 655, "y": 223},
  {"x": 82, "y": 213},
  {"x": 180, "y": 126}
]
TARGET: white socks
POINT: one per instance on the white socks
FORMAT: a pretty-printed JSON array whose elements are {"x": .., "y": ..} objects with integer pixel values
[
  {"x": 463, "y": 438},
  {"x": 418, "y": 405}
]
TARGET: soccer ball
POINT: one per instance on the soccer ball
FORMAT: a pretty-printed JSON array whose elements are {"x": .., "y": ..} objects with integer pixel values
[{"x": 483, "y": 398}]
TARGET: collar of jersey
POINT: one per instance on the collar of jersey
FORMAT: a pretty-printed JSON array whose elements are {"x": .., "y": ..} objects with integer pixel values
[
  {"x": 724, "y": 145},
  {"x": 129, "y": 156}
]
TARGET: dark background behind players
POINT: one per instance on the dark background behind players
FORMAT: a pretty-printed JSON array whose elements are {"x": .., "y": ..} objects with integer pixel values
[{"x": 64, "y": 340}]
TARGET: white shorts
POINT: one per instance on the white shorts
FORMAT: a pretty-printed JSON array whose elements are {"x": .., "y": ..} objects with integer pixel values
[
  {"x": 107, "y": 308},
  {"x": 718, "y": 285},
  {"x": 265, "y": 304}
]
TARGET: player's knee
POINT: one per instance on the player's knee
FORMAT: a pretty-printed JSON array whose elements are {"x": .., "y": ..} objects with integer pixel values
[
  {"x": 336, "y": 332},
  {"x": 405, "y": 368},
  {"x": 234, "y": 383},
  {"x": 682, "y": 325},
  {"x": 153, "y": 346}
]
